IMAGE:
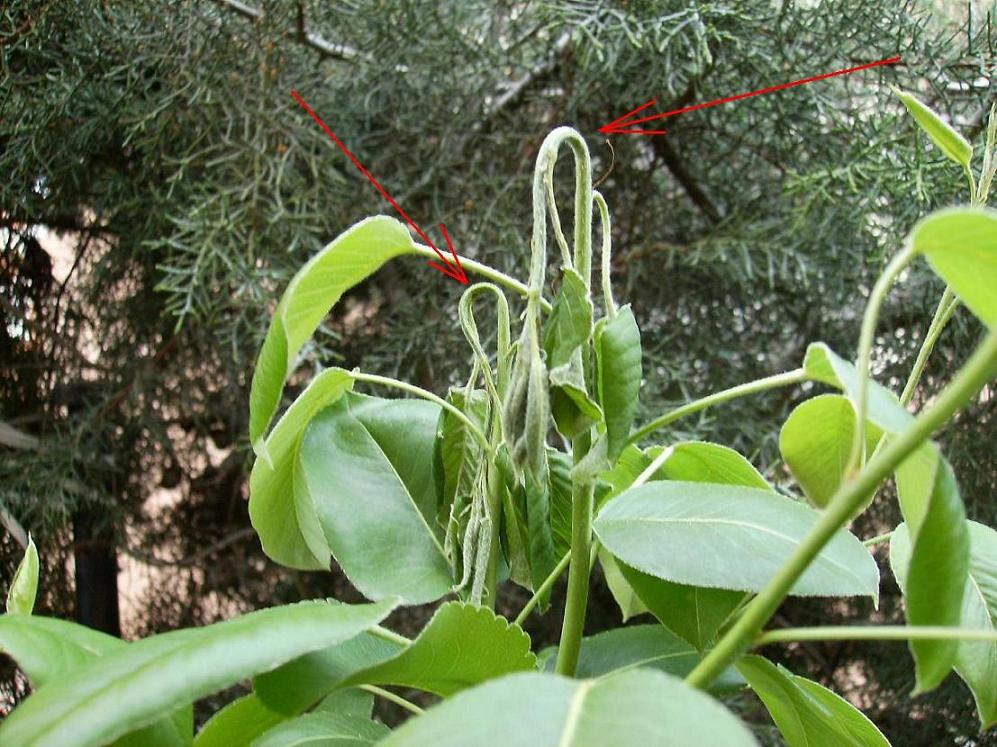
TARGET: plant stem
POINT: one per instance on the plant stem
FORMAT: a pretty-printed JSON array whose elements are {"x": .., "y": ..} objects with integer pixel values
[
  {"x": 484, "y": 271},
  {"x": 607, "y": 252},
  {"x": 424, "y": 394},
  {"x": 875, "y": 633},
  {"x": 390, "y": 635},
  {"x": 544, "y": 587},
  {"x": 396, "y": 699},
  {"x": 866, "y": 337},
  {"x": 977, "y": 371},
  {"x": 495, "y": 494},
  {"x": 877, "y": 540},
  {"x": 573, "y": 624},
  {"x": 759, "y": 385},
  {"x": 946, "y": 307}
]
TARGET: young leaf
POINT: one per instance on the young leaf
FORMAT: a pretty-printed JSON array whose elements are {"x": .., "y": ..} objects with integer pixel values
[
  {"x": 461, "y": 646},
  {"x": 238, "y": 724},
  {"x": 353, "y": 256},
  {"x": 816, "y": 442},
  {"x": 461, "y": 454},
  {"x": 647, "y": 646},
  {"x": 935, "y": 574},
  {"x": 129, "y": 688},
  {"x": 325, "y": 729},
  {"x": 728, "y": 537},
  {"x": 618, "y": 366},
  {"x": 367, "y": 467},
  {"x": 635, "y": 708},
  {"x": 288, "y": 528},
  {"x": 808, "y": 714},
  {"x": 950, "y": 142},
  {"x": 961, "y": 246},
  {"x": 24, "y": 587}
]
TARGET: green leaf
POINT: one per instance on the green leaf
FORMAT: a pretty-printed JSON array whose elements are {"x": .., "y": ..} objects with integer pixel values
[
  {"x": 961, "y": 246},
  {"x": 288, "y": 528},
  {"x": 626, "y": 597},
  {"x": 353, "y": 256},
  {"x": 950, "y": 142},
  {"x": 24, "y": 587},
  {"x": 728, "y": 537},
  {"x": 559, "y": 466},
  {"x": 631, "y": 462},
  {"x": 461, "y": 646},
  {"x": 238, "y": 724},
  {"x": 703, "y": 461},
  {"x": 976, "y": 661},
  {"x": 324, "y": 729},
  {"x": 808, "y": 714},
  {"x": 297, "y": 685},
  {"x": 351, "y": 702},
  {"x": 618, "y": 365},
  {"x": 130, "y": 687},
  {"x": 646, "y": 646},
  {"x": 368, "y": 468},
  {"x": 48, "y": 649},
  {"x": 635, "y": 708},
  {"x": 816, "y": 442},
  {"x": 461, "y": 453},
  {"x": 540, "y": 537}
]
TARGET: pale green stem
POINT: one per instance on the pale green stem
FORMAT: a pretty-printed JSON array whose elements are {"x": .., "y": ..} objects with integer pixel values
[
  {"x": 390, "y": 635},
  {"x": 946, "y": 307},
  {"x": 393, "y": 698},
  {"x": 573, "y": 624},
  {"x": 878, "y": 539},
  {"x": 866, "y": 337},
  {"x": 972, "y": 186},
  {"x": 495, "y": 487},
  {"x": 875, "y": 633},
  {"x": 544, "y": 588},
  {"x": 770, "y": 382},
  {"x": 424, "y": 394},
  {"x": 607, "y": 254},
  {"x": 977, "y": 371},
  {"x": 465, "y": 313},
  {"x": 489, "y": 273}
]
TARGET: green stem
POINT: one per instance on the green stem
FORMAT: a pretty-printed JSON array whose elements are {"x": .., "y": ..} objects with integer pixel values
[
  {"x": 392, "y": 697},
  {"x": 977, "y": 371},
  {"x": 607, "y": 254},
  {"x": 390, "y": 635},
  {"x": 760, "y": 385},
  {"x": 878, "y": 539},
  {"x": 544, "y": 587},
  {"x": 489, "y": 273},
  {"x": 866, "y": 337},
  {"x": 946, "y": 307},
  {"x": 579, "y": 568},
  {"x": 875, "y": 633},
  {"x": 424, "y": 394},
  {"x": 495, "y": 489}
]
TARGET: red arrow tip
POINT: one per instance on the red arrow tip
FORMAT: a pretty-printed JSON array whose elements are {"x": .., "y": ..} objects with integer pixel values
[{"x": 448, "y": 268}]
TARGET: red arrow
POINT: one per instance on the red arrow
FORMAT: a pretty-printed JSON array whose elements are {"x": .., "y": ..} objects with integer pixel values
[
  {"x": 626, "y": 126},
  {"x": 448, "y": 268}
]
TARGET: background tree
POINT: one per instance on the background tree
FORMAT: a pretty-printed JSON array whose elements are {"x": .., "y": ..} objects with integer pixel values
[{"x": 158, "y": 146}]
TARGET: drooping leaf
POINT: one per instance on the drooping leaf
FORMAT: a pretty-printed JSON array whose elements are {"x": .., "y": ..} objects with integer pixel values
[
  {"x": 324, "y": 729},
  {"x": 353, "y": 256},
  {"x": 816, "y": 442},
  {"x": 728, "y": 537},
  {"x": 949, "y": 142},
  {"x": 618, "y": 377},
  {"x": 647, "y": 646},
  {"x": 935, "y": 573},
  {"x": 461, "y": 454},
  {"x": 635, "y": 708},
  {"x": 288, "y": 528},
  {"x": 461, "y": 646},
  {"x": 130, "y": 687},
  {"x": 24, "y": 587},
  {"x": 961, "y": 246},
  {"x": 238, "y": 724},
  {"x": 367, "y": 466},
  {"x": 808, "y": 714}
]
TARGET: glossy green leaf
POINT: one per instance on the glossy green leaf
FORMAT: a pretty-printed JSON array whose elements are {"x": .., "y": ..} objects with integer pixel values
[
  {"x": 646, "y": 646},
  {"x": 368, "y": 468},
  {"x": 728, "y": 537},
  {"x": 934, "y": 576},
  {"x": 626, "y": 597},
  {"x": 961, "y": 245},
  {"x": 808, "y": 714},
  {"x": 238, "y": 724},
  {"x": 816, "y": 443},
  {"x": 353, "y": 256},
  {"x": 288, "y": 528},
  {"x": 130, "y": 687},
  {"x": 324, "y": 729},
  {"x": 636, "y": 708},
  {"x": 297, "y": 685},
  {"x": 24, "y": 587},
  {"x": 461, "y": 646},
  {"x": 618, "y": 377},
  {"x": 703, "y": 461},
  {"x": 949, "y": 142}
]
